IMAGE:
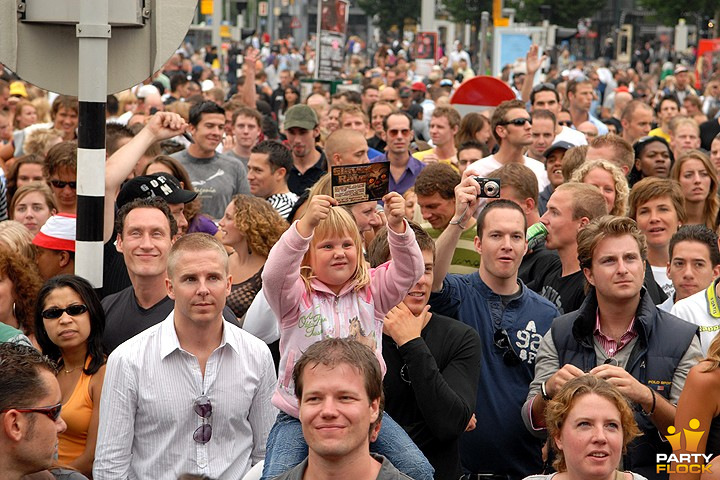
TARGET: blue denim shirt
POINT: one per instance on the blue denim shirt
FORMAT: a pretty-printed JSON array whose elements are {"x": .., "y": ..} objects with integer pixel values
[{"x": 500, "y": 444}]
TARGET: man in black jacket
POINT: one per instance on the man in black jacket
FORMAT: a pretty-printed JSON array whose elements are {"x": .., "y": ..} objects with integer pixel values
[
  {"x": 619, "y": 335},
  {"x": 433, "y": 367}
]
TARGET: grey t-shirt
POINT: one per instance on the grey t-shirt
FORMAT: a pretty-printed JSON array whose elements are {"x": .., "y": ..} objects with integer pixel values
[{"x": 215, "y": 179}]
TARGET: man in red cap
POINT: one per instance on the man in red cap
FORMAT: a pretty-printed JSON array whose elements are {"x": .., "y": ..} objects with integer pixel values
[{"x": 56, "y": 246}]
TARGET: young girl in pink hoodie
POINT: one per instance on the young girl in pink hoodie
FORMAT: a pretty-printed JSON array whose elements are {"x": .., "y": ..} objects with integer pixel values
[{"x": 319, "y": 285}]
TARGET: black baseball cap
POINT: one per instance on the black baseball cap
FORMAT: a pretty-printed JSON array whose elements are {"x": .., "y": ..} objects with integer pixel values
[
  {"x": 559, "y": 145},
  {"x": 161, "y": 185}
]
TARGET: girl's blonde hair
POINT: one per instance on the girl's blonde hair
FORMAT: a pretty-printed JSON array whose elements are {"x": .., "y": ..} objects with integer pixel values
[
  {"x": 622, "y": 191},
  {"x": 338, "y": 222}
]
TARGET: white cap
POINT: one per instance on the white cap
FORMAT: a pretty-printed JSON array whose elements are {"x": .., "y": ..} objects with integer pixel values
[{"x": 207, "y": 85}]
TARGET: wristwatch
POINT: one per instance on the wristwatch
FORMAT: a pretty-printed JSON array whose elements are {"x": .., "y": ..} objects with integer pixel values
[{"x": 543, "y": 392}]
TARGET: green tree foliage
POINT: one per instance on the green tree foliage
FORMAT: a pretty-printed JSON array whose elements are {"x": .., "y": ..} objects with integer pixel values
[
  {"x": 565, "y": 13},
  {"x": 391, "y": 12},
  {"x": 467, "y": 10},
  {"x": 669, "y": 12}
]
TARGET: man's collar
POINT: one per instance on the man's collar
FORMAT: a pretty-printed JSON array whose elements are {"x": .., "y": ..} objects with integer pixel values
[{"x": 169, "y": 341}]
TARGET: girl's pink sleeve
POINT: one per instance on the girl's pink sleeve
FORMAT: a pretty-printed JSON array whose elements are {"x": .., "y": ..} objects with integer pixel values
[
  {"x": 391, "y": 281},
  {"x": 282, "y": 285}
]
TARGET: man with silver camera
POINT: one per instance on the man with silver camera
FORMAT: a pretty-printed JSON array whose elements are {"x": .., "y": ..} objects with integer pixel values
[
  {"x": 510, "y": 319},
  {"x": 512, "y": 128}
]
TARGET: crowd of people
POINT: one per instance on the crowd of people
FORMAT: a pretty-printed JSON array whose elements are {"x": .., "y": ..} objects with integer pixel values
[{"x": 251, "y": 326}]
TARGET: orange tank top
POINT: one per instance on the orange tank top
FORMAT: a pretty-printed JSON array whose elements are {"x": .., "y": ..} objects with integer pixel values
[{"x": 76, "y": 413}]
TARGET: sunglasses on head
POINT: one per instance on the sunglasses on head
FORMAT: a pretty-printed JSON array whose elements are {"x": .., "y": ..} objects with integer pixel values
[
  {"x": 518, "y": 122},
  {"x": 53, "y": 412},
  {"x": 542, "y": 87},
  {"x": 61, "y": 184},
  {"x": 502, "y": 341},
  {"x": 56, "y": 312}
]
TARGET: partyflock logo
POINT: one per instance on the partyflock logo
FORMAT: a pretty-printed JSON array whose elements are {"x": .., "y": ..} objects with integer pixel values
[{"x": 689, "y": 462}]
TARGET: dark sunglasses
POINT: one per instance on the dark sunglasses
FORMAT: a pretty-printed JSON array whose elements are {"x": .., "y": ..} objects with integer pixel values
[
  {"x": 565, "y": 123},
  {"x": 56, "y": 312},
  {"x": 203, "y": 407},
  {"x": 61, "y": 184},
  {"x": 53, "y": 412},
  {"x": 502, "y": 341},
  {"x": 518, "y": 122}
]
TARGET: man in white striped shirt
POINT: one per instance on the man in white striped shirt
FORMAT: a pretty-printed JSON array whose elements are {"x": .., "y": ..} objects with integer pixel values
[
  {"x": 191, "y": 394},
  {"x": 268, "y": 169}
]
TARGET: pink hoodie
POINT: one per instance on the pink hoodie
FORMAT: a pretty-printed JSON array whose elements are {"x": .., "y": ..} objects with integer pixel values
[{"x": 306, "y": 318}]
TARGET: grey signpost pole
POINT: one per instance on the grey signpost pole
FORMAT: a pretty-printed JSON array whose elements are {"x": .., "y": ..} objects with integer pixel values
[
  {"x": 93, "y": 32},
  {"x": 88, "y": 49}
]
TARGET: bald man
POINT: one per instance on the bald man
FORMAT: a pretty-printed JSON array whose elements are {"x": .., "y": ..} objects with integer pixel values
[
  {"x": 389, "y": 94},
  {"x": 346, "y": 147},
  {"x": 621, "y": 101}
]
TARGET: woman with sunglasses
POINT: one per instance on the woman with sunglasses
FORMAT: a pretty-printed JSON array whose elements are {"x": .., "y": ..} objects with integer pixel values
[{"x": 69, "y": 321}]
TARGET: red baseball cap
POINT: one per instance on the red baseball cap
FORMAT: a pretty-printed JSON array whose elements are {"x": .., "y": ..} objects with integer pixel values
[{"x": 419, "y": 86}]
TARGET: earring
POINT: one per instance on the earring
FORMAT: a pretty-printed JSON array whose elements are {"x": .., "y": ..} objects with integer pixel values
[{"x": 13, "y": 310}]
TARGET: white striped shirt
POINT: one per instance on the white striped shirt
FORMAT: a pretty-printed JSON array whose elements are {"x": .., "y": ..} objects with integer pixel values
[
  {"x": 146, "y": 411},
  {"x": 283, "y": 203}
]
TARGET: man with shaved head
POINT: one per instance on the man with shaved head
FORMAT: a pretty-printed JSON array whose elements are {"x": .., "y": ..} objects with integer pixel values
[
  {"x": 621, "y": 101},
  {"x": 389, "y": 94},
  {"x": 346, "y": 147}
]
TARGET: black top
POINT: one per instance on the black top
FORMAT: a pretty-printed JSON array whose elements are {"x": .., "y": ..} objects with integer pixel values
[
  {"x": 431, "y": 387},
  {"x": 299, "y": 182},
  {"x": 567, "y": 293},
  {"x": 713, "y": 441},
  {"x": 536, "y": 262},
  {"x": 708, "y": 130},
  {"x": 115, "y": 274},
  {"x": 124, "y": 318}
]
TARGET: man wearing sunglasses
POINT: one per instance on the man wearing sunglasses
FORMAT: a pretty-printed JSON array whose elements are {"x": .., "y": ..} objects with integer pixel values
[
  {"x": 29, "y": 411},
  {"x": 510, "y": 319},
  {"x": 61, "y": 169},
  {"x": 191, "y": 394},
  {"x": 512, "y": 128},
  {"x": 404, "y": 168}
]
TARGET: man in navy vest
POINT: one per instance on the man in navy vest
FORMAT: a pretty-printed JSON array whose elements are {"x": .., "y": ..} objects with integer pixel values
[{"x": 619, "y": 335}]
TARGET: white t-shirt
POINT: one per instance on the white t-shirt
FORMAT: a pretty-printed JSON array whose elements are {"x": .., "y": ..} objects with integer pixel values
[
  {"x": 701, "y": 309},
  {"x": 661, "y": 278},
  {"x": 571, "y": 136},
  {"x": 486, "y": 165}
]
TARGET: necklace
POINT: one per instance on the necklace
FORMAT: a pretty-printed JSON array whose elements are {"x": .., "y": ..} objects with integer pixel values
[{"x": 71, "y": 370}]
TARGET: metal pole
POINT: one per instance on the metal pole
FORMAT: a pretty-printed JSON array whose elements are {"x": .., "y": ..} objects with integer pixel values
[
  {"x": 217, "y": 17},
  {"x": 427, "y": 15},
  {"x": 317, "y": 39},
  {"x": 484, "y": 21},
  {"x": 93, "y": 32}
]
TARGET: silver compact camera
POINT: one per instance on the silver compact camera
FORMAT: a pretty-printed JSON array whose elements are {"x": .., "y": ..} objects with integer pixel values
[{"x": 489, "y": 187}]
